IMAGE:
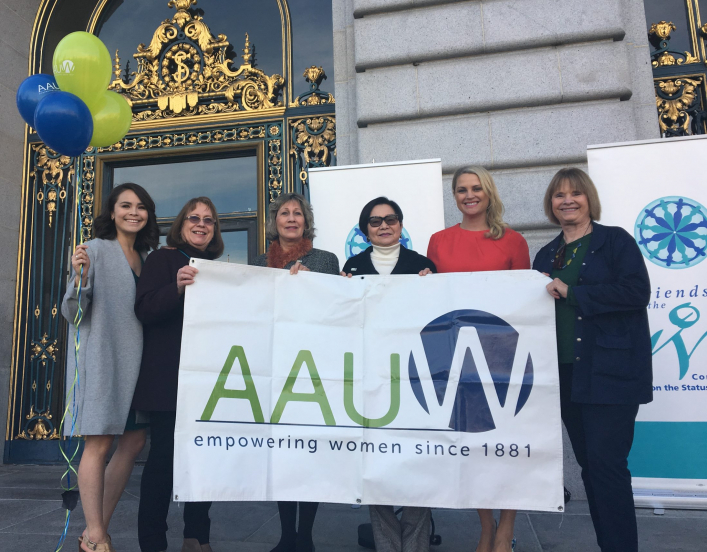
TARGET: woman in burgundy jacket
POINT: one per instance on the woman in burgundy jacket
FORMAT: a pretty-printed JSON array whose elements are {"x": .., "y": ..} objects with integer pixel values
[{"x": 159, "y": 305}]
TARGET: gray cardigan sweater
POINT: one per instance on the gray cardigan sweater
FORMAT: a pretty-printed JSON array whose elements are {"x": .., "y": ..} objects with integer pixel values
[
  {"x": 111, "y": 341},
  {"x": 316, "y": 260}
]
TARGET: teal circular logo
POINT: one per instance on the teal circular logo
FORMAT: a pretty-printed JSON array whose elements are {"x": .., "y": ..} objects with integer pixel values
[
  {"x": 356, "y": 242},
  {"x": 672, "y": 232}
]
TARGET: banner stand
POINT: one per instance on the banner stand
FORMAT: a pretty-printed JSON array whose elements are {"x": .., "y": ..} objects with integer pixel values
[{"x": 655, "y": 190}]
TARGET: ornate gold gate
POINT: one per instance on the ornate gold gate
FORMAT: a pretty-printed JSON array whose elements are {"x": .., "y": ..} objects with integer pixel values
[
  {"x": 192, "y": 98},
  {"x": 678, "y": 36}
]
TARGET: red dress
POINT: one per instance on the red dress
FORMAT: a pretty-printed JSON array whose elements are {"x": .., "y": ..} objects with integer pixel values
[{"x": 459, "y": 250}]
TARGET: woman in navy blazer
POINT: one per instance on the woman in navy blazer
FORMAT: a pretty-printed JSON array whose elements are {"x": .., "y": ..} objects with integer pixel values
[{"x": 601, "y": 287}]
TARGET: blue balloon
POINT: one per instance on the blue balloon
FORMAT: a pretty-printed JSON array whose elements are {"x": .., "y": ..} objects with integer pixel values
[
  {"x": 31, "y": 91},
  {"x": 64, "y": 123}
]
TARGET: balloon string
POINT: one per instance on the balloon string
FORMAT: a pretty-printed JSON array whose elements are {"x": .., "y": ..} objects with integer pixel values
[{"x": 71, "y": 410}]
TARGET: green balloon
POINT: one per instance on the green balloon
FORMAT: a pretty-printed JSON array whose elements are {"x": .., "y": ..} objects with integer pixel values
[
  {"x": 112, "y": 116},
  {"x": 82, "y": 66}
]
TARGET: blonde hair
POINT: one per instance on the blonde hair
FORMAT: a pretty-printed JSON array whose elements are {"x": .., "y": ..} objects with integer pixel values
[
  {"x": 577, "y": 180},
  {"x": 495, "y": 210}
]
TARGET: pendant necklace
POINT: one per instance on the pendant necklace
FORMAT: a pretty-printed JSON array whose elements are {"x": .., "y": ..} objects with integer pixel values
[{"x": 559, "y": 257}]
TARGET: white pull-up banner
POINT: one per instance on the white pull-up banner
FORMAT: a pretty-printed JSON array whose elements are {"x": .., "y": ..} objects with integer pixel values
[
  {"x": 436, "y": 391},
  {"x": 656, "y": 191}
]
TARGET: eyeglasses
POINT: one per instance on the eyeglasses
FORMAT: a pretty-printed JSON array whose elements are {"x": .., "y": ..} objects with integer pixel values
[
  {"x": 195, "y": 219},
  {"x": 390, "y": 220}
]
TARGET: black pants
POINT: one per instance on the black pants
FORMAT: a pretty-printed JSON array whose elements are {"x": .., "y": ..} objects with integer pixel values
[
  {"x": 601, "y": 436},
  {"x": 156, "y": 491}
]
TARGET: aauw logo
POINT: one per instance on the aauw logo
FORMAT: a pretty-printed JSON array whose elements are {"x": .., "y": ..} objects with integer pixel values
[
  {"x": 66, "y": 66},
  {"x": 50, "y": 87},
  {"x": 471, "y": 356}
]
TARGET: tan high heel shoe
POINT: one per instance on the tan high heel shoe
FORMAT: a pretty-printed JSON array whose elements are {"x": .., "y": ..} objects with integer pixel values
[{"x": 96, "y": 546}]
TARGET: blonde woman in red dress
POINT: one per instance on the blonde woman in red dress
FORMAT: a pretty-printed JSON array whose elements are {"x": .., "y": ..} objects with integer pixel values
[{"x": 481, "y": 242}]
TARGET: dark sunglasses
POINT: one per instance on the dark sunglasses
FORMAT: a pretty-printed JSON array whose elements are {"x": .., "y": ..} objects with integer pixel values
[
  {"x": 195, "y": 219},
  {"x": 390, "y": 220}
]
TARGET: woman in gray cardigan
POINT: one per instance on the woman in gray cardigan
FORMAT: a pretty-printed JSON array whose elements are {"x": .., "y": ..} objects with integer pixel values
[
  {"x": 110, "y": 352},
  {"x": 290, "y": 229}
]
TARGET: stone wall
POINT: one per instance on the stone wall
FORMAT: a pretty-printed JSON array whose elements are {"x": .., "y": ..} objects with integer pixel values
[
  {"x": 15, "y": 33},
  {"x": 518, "y": 86},
  {"x": 521, "y": 87}
]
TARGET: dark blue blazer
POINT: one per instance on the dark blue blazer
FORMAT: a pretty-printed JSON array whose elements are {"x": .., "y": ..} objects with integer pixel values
[
  {"x": 409, "y": 262},
  {"x": 613, "y": 356}
]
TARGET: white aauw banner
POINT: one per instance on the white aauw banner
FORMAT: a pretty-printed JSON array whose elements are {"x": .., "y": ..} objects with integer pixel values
[{"x": 431, "y": 391}]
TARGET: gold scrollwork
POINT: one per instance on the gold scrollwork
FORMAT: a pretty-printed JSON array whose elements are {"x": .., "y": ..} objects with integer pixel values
[
  {"x": 672, "y": 110},
  {"x": 275, "y": 168},
  {"x": 662, "y": 29},
  {"x": 39, "y": 430},
  {"x": 44, "y": 349},
  {"x": 315, "y": 142},
  {"x": 185, "y": 71},
  {"x": 51, "y": 166},
  {"x": 181, "y": 139},
  {"x": 88, "y": 180},
  {"x": 314, "y": 76},
  {"x": 661, "y": 32}
]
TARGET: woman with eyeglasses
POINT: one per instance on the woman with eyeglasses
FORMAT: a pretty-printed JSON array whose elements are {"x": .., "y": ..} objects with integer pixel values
[
  {"x": 381, "y": 220},
  {"x": 601, "y": 289},
  {"x": 106, "y": 269},
  {"x": 290, "y": 230},
  {"x": 481, "y": 242},
  {"x": 159, "y": 305}
]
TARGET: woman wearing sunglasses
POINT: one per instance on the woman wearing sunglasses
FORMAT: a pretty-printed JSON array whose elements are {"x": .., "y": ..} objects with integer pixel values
[
  {"x": 601, "y": 290},
  {"x": 481, "y": 242},
  {"x": 159, "y": 305},
  {"x": 381, "y": 221}
]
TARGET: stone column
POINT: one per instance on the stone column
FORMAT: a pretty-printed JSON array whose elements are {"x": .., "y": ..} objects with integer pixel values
[{"x": 15, "y": 33}]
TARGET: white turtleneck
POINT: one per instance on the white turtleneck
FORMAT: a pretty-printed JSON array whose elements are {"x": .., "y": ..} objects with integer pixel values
[{"x": 384, "y": 259}]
